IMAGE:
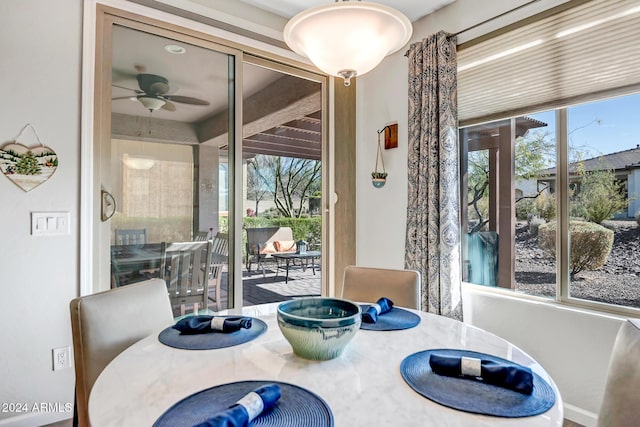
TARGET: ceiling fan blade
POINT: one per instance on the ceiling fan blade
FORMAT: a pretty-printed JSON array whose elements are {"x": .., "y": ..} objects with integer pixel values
[
  {"x": 186, "y": 100},
  {"x": 169, "y": 106},
  {"x": 127, "y": 88}
]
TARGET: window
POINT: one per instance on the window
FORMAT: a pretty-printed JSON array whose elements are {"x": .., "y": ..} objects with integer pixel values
[
  {"x": 522, "y": 209},
  {"x": 508, "y": 197},
  {"x": 548, "y": 141}
]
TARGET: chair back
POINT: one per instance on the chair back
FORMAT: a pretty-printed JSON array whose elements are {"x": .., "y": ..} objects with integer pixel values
[
  {"x": 219, "y": 259},
  {"x": 132, "y": 236},
  {"x": 621, "y": 402},
  {"x": 106, "y": 323},
  {"x": 185, "y": 266},
  {"x": 201, "y": 236},
  {"x": 365, "y": 284}
]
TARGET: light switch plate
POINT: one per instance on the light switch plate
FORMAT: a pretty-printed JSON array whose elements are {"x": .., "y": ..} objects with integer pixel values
[{"x": 50, "y": 223}]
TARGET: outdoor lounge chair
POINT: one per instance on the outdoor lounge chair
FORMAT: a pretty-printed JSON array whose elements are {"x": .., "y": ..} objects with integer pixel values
[{"x": 263, "y": 242}]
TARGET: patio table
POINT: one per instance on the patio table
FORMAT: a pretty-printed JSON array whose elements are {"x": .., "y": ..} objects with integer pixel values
[{"x": 290, "y": 258}]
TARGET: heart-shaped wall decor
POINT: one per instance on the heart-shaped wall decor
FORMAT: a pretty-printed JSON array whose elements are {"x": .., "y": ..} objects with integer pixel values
[{"x": 27, "y": 167}]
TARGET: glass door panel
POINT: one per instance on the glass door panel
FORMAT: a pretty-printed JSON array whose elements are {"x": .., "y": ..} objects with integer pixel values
[
  {"x": 162, "y": 166},
  {"x": 282, "y": 185}
]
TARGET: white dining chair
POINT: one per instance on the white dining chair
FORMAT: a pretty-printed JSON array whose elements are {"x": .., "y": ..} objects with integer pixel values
[
  {"x": 185, "y": 269},
  {"x": 367, "y": 284},
  {"x": 219, "y": 261},
  {"x": 106, "y": 323},
  {"x": 621, "y": 402}
]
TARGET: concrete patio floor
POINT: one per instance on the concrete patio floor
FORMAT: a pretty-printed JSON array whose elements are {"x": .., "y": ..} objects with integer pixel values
[{"x": 259, "y": 289}]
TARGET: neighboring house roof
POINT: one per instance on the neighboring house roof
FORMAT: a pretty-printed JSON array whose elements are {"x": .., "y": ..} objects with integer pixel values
[{"x": 621, "y": 160}]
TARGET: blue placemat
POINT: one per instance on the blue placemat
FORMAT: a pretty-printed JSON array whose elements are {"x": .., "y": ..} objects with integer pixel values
[
  {"x": 211, "y": 340},
  {"x": 296, "y": 407},
  {"x": 474, "y": 396},
  {"x": 393, "y": 320}
]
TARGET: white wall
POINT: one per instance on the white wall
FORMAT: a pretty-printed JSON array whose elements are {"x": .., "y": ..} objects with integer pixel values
[
  {"x": 40, "y": 84},
  {"x": 573, "y": 346}
]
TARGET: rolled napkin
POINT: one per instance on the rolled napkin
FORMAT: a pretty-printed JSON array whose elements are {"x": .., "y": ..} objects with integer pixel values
[
  {"x": 202, "y": 324},
  {"x": 245, "y": 410},
  {"x": 381, "y": 306},
  {"x": 507, "y": 375}
]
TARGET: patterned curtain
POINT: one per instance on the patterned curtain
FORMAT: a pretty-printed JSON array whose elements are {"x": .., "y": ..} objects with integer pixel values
[{"x": 433, "y": 227}]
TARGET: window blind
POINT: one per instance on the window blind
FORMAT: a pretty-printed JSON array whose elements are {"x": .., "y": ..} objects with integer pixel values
[{"x": 580, "y": 51}]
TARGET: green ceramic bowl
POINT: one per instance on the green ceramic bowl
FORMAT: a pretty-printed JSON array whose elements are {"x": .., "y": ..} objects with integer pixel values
[{"x": 318, "y": 328}]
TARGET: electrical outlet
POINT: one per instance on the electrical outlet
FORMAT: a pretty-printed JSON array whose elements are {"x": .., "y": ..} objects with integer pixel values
[{"x": 61, "y": 358}]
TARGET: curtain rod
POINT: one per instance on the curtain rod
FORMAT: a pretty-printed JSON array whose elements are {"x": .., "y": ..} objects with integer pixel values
[{"x": 489, "y": 19}]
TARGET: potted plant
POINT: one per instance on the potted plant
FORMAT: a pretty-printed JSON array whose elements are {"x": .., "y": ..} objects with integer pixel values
[{"x": 378, "y": 179}]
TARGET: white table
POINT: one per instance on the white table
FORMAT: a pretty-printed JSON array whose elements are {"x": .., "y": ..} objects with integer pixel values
[{"x": 363, "y": 386}]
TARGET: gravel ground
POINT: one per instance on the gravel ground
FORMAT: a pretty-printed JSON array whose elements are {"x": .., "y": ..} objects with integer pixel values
[{"x": 617, "y": 282}]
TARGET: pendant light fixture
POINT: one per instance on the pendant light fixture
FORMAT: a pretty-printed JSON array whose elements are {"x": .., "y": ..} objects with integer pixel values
[{"x": 347, "y": 38}]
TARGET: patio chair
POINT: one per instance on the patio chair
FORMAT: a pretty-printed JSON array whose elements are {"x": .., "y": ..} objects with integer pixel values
[
  {"x": 262, "y": 243},
  {"x": 365, "y": 284},
  {"x": 133, "y": 273},
  {"x": 185, "y": 267},
  {"x": 132, "y": 236},
  {"x": 219, "y": 259},
  {"x": 201, "y": 236}
]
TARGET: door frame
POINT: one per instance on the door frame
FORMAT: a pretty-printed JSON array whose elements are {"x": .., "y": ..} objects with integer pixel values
[{"x": 95, "y": 123}]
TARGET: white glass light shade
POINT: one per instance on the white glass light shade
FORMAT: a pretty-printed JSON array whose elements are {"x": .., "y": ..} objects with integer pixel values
[
  {"x": 151, "y": 103},
  {"x": 347, "y": 38}
]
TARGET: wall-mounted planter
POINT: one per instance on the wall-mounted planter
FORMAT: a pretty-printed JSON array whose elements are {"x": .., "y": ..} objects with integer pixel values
[{"x": 378, "y": 179}]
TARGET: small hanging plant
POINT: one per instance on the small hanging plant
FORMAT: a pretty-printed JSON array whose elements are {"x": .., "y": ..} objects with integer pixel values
[{"x": 379, "y": 178}]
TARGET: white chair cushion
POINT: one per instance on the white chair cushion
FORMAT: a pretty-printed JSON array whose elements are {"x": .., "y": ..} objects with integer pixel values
[{"x": 621, "y": 403}]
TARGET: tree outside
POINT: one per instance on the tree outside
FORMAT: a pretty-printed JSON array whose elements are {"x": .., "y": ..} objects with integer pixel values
[{"x": 288, "y": 182}]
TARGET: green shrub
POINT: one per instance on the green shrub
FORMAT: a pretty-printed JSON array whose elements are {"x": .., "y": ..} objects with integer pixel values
[
  {"x": 534, "y": 225},
  {"x": 601, "y": 196},
  {"x": 524, "y": 208},
  {"x": 546, "y": 206},
  {"x": 590, "y": 244}
]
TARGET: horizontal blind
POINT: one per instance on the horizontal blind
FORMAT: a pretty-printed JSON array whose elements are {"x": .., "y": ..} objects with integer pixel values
[{"x": 588, "y": 51}]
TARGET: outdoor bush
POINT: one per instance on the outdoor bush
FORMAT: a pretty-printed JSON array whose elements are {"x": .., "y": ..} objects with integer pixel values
[
  {"x": 590, "y": 244},
  {"x": 534, "y": 224},
  {"x": 546, "y": 206},
  {"x": 601, "y": 195},
  {"x": 524, "y": 208}
]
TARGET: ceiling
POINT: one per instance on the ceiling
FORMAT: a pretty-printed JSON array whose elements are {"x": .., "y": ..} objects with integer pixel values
[
  {"x": 201, "y": 73},
  {"x": 414, "y": 9}
]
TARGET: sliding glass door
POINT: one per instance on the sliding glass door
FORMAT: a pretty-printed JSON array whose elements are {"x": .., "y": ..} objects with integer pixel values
[
  {"x": 195, "y": 141},
  {"x": 162, "y": 173}
]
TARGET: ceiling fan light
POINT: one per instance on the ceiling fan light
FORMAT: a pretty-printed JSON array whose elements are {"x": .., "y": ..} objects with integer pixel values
[
  {"x": 347, "y": 38},
  {"x": 151, "y": 103},
  {"x": 138, "y": 163}
]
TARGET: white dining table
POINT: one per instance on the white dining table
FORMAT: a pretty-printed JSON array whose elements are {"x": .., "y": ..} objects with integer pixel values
[{"x": 363, "y": 386}]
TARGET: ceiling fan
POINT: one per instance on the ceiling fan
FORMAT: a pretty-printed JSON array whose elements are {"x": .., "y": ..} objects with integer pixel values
[{"x": 154, "y": 94}]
